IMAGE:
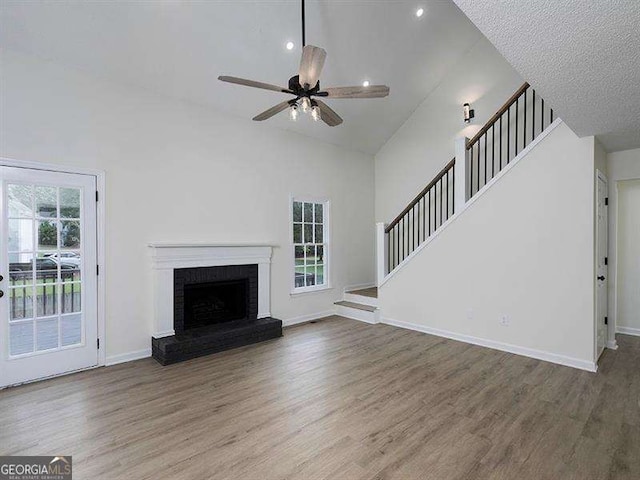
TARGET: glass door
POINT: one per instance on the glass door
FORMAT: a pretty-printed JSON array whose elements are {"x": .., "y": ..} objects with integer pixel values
[{"x": 48, "y": 307}]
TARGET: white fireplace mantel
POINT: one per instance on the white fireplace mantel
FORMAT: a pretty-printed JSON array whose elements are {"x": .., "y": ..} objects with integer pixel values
[{"x": 166, "y": 257}]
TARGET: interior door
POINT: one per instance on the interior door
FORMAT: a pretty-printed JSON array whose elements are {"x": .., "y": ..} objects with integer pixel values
[
  {"x": 48, "y": 307},
  {"x": 601, "y": 263}
]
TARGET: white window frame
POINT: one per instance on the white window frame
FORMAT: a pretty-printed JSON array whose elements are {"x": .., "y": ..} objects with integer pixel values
[{"x": 326, "y": 242}]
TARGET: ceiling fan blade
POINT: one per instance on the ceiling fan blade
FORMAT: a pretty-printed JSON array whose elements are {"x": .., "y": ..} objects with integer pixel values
[
  {"x": 372, "y": 91},
  {"x": 311, "y": 65},
  {"x": 251, "y": 83},
  {"x": 327, "y": 115},
  {"x": 272, "y": 111}
]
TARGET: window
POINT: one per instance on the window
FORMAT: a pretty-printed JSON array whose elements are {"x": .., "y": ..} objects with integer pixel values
[{"x": 310, "y": 248}]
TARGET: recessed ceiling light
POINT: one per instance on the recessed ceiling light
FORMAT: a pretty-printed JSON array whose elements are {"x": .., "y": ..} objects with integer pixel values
[
  {"x": 419, "y": 12},
  {"x": 290, "y": 45},
  {"x": 365, "y": 83}
]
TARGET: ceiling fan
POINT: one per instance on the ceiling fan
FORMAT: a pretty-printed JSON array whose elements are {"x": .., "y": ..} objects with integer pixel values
[{"x": 305, "y": 86}]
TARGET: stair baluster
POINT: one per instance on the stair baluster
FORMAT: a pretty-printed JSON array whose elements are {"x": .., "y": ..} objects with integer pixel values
[{"x": 435, "y": 204}]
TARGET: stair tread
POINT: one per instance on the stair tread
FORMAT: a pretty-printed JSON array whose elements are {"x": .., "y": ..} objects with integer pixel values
[
  {"x": 366, "y": 292},
  {"x": 358, "y": 306}
]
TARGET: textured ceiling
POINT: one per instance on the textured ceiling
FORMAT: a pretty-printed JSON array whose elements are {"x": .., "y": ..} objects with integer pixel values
[
  {"x": 179, "y": 48},
  {"x": 582, "y": 55}
]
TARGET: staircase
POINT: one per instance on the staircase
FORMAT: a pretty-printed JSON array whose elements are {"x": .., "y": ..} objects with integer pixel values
[
  {"x": 498, "y": 249},
  {"x": 360, "y": 305},
  {"x": 477, "y": 163}
]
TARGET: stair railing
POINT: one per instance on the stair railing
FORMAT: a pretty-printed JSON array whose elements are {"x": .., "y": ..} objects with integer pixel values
[
  {"x": 514, "y": 126},
  {"x": 506, "y": 133},
  {"x": 426, "y": 212}
]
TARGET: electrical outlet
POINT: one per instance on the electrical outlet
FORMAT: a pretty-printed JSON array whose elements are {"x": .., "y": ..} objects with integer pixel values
[
  {"x": 470, "y": 314},
  {"x": 504, "y": 321}
]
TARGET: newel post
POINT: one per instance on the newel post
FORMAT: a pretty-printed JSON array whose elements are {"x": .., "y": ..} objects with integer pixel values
[
  {"x": 463, "y": 159},
  {"x": 381, "y": 252}
]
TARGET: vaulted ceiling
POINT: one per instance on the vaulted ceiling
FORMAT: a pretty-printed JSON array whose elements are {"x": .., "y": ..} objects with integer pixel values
[
  {"x": 582, "y": 56},
  {"x": 179, "y": 48}
]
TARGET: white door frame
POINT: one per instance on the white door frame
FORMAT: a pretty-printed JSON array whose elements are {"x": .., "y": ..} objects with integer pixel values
[
  {"x": 600, "y": 176},
  {"x": 100, "y": 235}
]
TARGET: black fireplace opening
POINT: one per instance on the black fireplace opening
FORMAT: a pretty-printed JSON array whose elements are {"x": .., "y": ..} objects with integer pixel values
[
  {"x": 211, "y": 296},
  {"x": 212, "y": 303}
]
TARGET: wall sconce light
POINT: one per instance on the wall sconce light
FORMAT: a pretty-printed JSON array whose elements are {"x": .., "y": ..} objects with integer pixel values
[{"x": 468, "y": 113}]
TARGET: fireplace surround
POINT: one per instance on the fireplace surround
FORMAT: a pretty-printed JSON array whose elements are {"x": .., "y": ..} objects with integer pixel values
[{"x": 209, "y": 298}]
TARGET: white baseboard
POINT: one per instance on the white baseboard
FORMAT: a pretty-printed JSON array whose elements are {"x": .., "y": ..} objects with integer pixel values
[
  {"x": 504, "y": 347},
  {"x": 137, "y": 355},
  {"x": 128, "y": 357},
  {"x": 306, "y": 318},
  {"x": 628, "y": 331}
]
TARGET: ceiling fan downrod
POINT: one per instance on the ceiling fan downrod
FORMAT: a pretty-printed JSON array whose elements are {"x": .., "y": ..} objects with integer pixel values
[{"x": 303, "y": 36}]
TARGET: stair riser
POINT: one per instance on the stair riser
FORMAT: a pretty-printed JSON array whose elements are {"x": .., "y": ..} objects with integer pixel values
[
  {"x": 356, "y": 314},
  {"x": 350, "y": 297}
]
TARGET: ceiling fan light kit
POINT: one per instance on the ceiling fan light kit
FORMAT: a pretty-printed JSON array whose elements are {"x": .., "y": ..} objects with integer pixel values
[
  {"x": 293, "y": 112},
  {"x": 305, "y": 86},
  {"x": 315, "y": 113}
]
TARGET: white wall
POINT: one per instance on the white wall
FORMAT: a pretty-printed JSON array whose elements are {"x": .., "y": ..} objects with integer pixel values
[
  {"x": 179, "y": 172},
  {"x": 600, "y": 157},
  {"x": 628, "y": 281},
  {"x": 425, "y": 143},
  {"x": 624, "y": 165},
  {"x": 523, "y": 249}
]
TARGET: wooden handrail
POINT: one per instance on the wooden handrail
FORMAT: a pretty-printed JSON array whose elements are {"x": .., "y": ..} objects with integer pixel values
[
  {"x": 426, "y": 213},
  {"x": 424, "y": 191},
  {"x": 498, "y": 114}
]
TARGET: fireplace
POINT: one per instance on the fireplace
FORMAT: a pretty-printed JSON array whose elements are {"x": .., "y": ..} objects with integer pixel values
[
  {"x": 214, "y": 302},
  {"x": 208, "y": 300}
]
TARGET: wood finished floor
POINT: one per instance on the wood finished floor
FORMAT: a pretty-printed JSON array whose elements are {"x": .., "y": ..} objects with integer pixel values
[
  {"x": 367, "y": 292},
  {"x": 338, "y": 399}
]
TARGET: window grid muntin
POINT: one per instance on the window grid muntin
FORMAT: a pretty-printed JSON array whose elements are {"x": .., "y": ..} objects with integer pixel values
[
  {"x": 58, "y": 283},
  {"x": 312, "y": 263}
]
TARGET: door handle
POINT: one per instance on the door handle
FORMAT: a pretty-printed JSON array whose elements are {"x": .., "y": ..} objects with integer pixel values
[{"x": 601, "y": 278}]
